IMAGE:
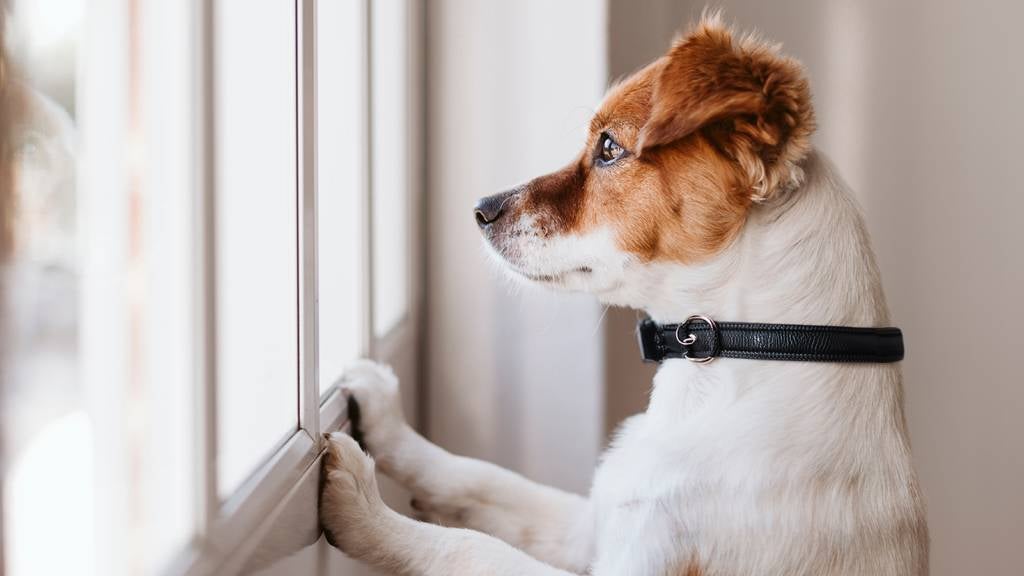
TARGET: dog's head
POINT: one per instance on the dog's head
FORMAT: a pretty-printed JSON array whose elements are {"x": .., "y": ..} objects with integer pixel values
[{"x": 674, "y": 159}]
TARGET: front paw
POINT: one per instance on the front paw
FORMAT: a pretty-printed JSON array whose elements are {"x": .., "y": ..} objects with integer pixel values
[
  {"x": 351, "y": 510},
  {"x": 377, "y": 414}
]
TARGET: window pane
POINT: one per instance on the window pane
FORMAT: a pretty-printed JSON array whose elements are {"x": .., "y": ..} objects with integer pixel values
[
  {"x": 98, "y": 359},
  {"x": 256, "y": 238},
  {"x": 43, "y": 409},
  {"x": 390, "y": 162},
  {"x": 341, "y": 167},
  {"x": 166, "y": 456}
]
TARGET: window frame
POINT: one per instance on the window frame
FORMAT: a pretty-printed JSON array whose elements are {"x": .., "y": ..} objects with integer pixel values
[
  {"x": 403, "y": 338},
  {"x": 224, "y": 525},
  {"x": 228, "y": 530}
]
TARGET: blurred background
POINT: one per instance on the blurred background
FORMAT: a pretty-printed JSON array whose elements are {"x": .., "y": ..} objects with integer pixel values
[{"x": 208, "y": 208}]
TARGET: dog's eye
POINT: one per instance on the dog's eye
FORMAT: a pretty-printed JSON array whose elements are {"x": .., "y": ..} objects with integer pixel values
[{"x": 608, "y": 150}]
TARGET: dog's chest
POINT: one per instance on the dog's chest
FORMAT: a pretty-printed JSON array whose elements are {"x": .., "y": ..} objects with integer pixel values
[
  {"x": 734, "y": 482},
  {"x": 639, "y": 495},
  {"x": 667, "y": 491}
]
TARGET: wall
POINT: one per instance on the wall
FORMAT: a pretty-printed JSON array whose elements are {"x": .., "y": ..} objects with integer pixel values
[
  {"x": 919, "y": 104},
  {"x": 513, "y": 375}
]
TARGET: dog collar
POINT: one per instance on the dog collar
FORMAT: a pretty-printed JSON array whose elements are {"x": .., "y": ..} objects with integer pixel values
[{"x": 701, "y": 339}]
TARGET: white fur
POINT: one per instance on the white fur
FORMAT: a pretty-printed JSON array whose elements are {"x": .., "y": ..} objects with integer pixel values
[
  {"x": 555, "y": 261},
  {"x": 737, "y": 466}
]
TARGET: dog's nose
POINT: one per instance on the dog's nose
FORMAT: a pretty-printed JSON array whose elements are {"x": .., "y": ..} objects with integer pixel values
[{"x": 489, "y": 209}]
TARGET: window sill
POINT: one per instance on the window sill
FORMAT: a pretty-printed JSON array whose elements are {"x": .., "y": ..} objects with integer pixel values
[{"x": 273, "y": 505}]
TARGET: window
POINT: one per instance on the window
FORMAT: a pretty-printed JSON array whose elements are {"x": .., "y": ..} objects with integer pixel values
[
  {"x": 256, "y": 238},
  {"x": 208, "y": 216},
  {"x": 390, "y": 174},
  {"x": 341, "y": 184},
  {"x": 100, "y": 266}
]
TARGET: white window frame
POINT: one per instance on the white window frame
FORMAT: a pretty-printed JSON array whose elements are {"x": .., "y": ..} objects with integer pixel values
[{"x": 228, "y": 531}]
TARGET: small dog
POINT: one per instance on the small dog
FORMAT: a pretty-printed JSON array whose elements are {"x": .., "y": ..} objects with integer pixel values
[{"x": 697, "y": 192}]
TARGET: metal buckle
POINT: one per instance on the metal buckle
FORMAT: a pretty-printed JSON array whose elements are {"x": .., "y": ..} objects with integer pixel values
[{"x": 691, "y": 339}]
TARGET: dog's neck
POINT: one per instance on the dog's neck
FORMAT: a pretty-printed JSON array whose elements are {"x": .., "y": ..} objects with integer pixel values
[{"x": 805, "y": 259}]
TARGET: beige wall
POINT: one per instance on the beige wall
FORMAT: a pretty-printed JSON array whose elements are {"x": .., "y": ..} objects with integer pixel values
[
  {"x": 919, "y": 104},
  {"x": 513, "y": 375}
]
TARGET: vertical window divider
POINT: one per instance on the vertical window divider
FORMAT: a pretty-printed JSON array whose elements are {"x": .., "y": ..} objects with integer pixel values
[
  {"x": 309, "y": 390},
  {"x": 207, "y": 501},
  {"x": 369, "y": 341},
  {"x": 418, "y": 251}
]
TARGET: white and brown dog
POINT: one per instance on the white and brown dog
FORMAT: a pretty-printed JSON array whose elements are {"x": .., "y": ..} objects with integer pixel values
[{"x": 696, "y": 192}]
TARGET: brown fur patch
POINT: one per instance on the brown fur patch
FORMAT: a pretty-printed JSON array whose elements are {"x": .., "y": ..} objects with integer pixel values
[
  {"x": 709, "y": 128},
  {"x": 557, "y": 198},
  {"x": 754, "y": 103}
]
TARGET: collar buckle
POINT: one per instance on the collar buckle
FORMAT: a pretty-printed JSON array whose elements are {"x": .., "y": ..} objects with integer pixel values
[{"x": 691, "y": 339}]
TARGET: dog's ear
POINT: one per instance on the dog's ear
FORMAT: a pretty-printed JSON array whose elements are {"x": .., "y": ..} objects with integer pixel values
[{"x": 752, "y": 102}]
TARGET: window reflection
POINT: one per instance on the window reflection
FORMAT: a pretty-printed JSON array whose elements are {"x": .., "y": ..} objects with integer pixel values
[
  {"x": 42, "y": 407},
  {"x": 96, "y": 152}
]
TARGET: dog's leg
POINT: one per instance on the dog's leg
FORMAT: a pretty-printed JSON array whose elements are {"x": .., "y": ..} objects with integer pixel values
[
  {"x": 356, "y": 520},
  {"x": 549, "y": 524}
]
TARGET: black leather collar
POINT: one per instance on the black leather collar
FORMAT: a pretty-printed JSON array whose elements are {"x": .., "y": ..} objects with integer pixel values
[{"x": 700, "y": 339}]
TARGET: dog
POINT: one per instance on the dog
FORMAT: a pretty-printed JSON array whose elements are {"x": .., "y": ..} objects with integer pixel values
[{"x": 697, "y": 191}]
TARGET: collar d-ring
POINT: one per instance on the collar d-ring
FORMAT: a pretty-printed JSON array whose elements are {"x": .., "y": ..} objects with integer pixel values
[{"x": 691, "y": 338}]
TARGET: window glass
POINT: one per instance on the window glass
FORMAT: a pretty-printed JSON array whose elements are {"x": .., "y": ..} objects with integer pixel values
[
  {"x": 96, "y": 181},
  {"x": 341, "y": 181},
  {"x": 390, "y": 177},
  {"x": 256, "y": 234},
  {"x": 43, "y": 408},
  {"x": 102, "y": 260},
  {"x": 164, "y": 168}
]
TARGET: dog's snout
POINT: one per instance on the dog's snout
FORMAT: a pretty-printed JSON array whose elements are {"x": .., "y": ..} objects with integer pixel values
[{"x": 489, "y": 209}]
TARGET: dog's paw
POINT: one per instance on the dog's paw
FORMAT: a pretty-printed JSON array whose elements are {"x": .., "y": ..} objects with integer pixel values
[
  {"x": 374, "y": 388},
  {"x": 351, "y": 509}
]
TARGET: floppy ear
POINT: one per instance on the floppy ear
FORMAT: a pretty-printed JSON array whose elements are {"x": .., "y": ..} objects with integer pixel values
[{"x": 752, "y": 102}]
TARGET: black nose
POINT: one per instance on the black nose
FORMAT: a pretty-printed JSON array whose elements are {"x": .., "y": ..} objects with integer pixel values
[{"x": 489, "y": 209}]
